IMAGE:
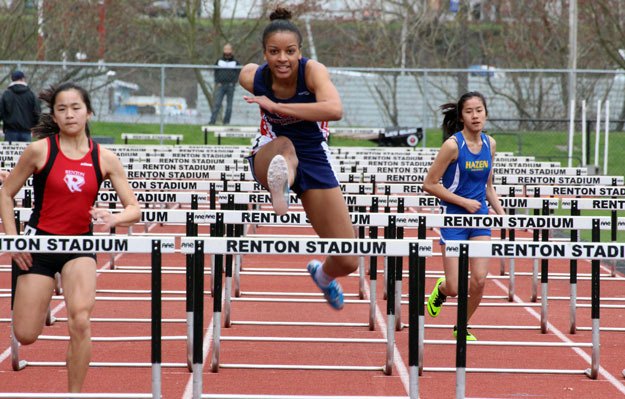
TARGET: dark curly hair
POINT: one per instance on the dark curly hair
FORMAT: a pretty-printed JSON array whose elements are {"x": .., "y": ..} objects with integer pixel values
[{"x": 280, "y": 22}]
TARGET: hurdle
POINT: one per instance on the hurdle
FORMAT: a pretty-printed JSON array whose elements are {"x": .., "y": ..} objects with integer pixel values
[
  {"x": 87, "y": 244},
  {"x": 593, "y": 251},
  {"x": 494, "y": 221},
  {"x": 289, "y": 246},
  {"x": 230, "y": 131},
  {"x": 222, "y": 219},
  {"x": 152, "y": 136}
]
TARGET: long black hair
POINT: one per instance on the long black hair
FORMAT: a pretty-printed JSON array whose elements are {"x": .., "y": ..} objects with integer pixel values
[
  {"x": 452, "y": 121},
  {"x": 47, "y": 126}
]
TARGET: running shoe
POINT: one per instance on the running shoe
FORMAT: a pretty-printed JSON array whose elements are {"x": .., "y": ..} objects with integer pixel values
[
  {"x": 470, "y": 336},
  {"x": 278, "y": 182},
  {"x": 436, "y": 300},
  {"x": 333, "y": 293}
]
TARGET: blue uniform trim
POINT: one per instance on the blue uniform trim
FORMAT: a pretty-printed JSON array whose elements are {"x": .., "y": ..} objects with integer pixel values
[{"x": 467, "y": 177}]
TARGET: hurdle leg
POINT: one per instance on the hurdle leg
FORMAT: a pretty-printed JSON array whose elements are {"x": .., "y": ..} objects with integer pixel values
[
  {"x": 572, "y": 310},
  {"x": 385, "y": 277},
  {"x": 511, "y": 281},
  {"x": 198, "y": 317},
  {"x": 421, "y": 297},
  {"x": 390, "y": 326},
  {"x": 361, "y": 277},
  {"x": 237, "y": 275},
  {"x": 217, "y": 267},
  {"x": 544, "y": 279},
  {"x": 58, "y": 287},
  {"x": 534, "y": 297},
  {"x": 573, "y": 296},
  {"x": 502, "y": 261},
  {"x": 227, "y": 293},
  {"x": 372, "y": 303},
  {"x": 398, "y": 290},
  {"x": 593, "y": 372},
  {"x": 190, "y": 341},
  {"x": 16, "y": 363},
  {"x": 414, "y": 324},
  {"x": 373, "y": 282},
  {"x": 543, "y": 308},
  {"x": 157, "y": 316},
  {"x": 461, "y": 322},
  {"x": 211, "y": 276},
  {"x": 49, "y": 318},
  {"x": 189, "y": 275}
]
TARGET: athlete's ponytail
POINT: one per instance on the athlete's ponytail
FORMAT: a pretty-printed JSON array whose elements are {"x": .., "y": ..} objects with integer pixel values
[
  {"x": 47, "y": 126},
  {"x": 451, "y": 122}
]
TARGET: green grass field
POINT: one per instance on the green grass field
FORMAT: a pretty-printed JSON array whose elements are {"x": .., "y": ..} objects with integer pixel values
[{"x": 545, "y": 146}]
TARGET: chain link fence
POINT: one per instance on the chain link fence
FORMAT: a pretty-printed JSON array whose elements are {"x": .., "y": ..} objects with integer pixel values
[{"x": 528, "y": 109}]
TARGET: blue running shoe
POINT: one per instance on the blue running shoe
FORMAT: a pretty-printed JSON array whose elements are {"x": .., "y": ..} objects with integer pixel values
[
  {"x": 278, "y": 182},
  {"x": 333, "y": 293}
]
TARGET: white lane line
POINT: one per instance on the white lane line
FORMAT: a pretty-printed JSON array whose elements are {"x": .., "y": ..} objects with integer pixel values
[
  {"x": 398, "y": 362},
  {"x": 207, "y": 342},
  {"x": 7, "y": 353},
  {"x": 607, "y": 375}
]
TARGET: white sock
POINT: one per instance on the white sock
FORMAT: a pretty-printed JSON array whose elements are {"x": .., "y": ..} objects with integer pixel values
[{"x": 322, "y": 278}]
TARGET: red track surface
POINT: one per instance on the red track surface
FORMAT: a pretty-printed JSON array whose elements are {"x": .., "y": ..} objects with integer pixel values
[{"x": 177, "y": 381}]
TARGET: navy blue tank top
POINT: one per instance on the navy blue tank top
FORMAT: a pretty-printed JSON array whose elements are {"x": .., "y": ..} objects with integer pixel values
[{"x": 274, "y": 125}]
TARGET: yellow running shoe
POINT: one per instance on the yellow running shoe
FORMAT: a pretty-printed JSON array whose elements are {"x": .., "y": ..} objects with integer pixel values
[
  {"x": 470, "y": 337},
  {"x": 436, "y": 299}
]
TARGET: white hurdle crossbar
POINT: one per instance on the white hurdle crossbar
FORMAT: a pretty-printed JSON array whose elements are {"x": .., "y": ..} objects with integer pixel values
[
  {"x": 549, "y": 250},
  {"x": 102, "y": 244},
  {"x": 292, "y": 246}
]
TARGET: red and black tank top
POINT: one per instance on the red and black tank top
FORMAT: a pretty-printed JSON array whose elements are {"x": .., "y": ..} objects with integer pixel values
[{"x": 65, "y": 189}]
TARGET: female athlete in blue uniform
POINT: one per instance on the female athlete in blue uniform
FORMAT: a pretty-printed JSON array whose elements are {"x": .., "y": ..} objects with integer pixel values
[
  {"x": 464, "y": 163},
  {"x": 296, "y": 99}
]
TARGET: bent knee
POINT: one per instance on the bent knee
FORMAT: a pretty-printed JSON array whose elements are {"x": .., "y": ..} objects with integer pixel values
[
  {"x": 478, "y": 284},
  {"x": 25, "y": 337}
]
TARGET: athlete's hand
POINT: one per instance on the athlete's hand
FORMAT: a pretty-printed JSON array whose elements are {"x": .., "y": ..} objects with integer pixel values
[
  {"x": 472, "y": 205},
  {"x": 3, "y": 175},
  {"x": 105, "y": 217},
  {"x": 262, "y": 101},
  {"x": 23, "y": 260}
]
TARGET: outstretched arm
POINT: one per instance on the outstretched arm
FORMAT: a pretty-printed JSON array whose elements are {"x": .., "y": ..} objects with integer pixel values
[{"x": 328, "y": 106}]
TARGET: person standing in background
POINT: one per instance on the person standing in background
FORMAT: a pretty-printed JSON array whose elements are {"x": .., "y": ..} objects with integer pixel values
[
  {"x": 19, "y": 109},
  {"x": 226, "y": 76}
]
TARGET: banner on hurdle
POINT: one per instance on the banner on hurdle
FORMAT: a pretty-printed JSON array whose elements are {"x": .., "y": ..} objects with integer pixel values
[
  {"x": 85, "y": 244},
  {"x": 294, "y": 246},
  {"x": 549, "y": 250},
  {"x": 594, "y": 203},
  {"x": 509, "y": 221},
  {"x": 561, "y": 180}
]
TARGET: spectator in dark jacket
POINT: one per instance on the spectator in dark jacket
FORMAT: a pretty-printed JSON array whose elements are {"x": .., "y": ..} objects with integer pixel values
[
  {"x": 226, "y": 76},
  {"x": 19, "y": 109}
]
